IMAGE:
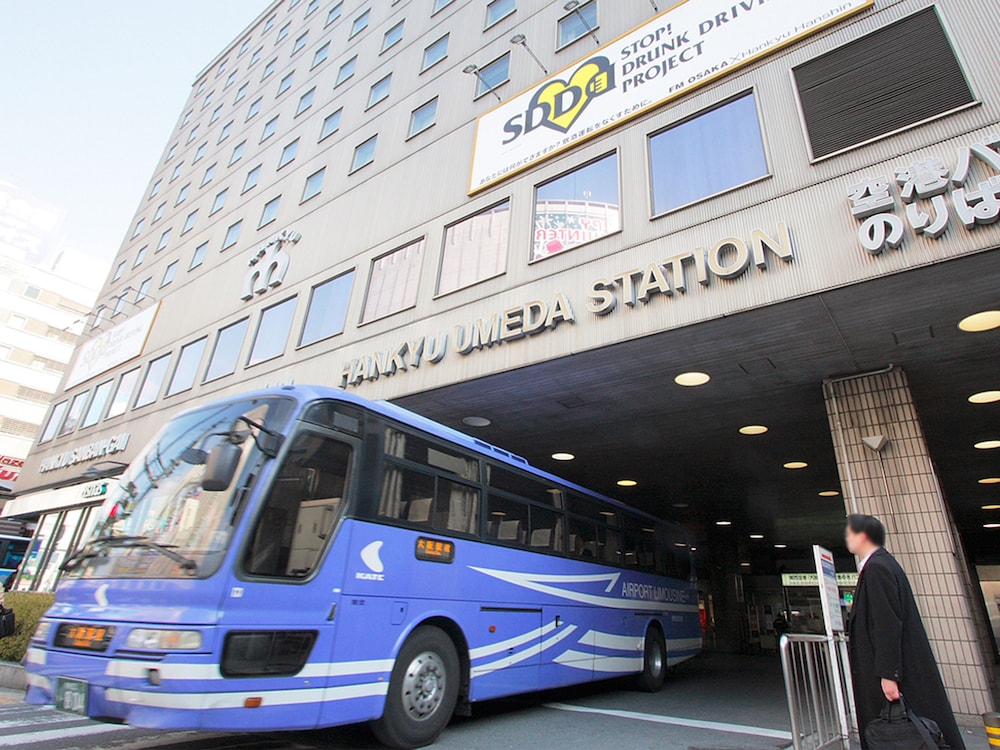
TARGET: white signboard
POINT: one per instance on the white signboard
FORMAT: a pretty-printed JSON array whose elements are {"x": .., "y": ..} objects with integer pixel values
[
  {"x": 677, "y": 51},
  {"x": 113, "y": 347},
  {"x": 829, "y": 590},
  {"x": 791, "y": 580}
]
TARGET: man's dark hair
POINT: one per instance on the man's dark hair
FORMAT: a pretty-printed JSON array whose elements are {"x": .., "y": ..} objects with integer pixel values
[{"x": 870, "y": 526}]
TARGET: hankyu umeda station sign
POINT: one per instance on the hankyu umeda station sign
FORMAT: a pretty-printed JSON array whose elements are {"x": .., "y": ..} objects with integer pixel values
[{"x": 687, "y": 46}]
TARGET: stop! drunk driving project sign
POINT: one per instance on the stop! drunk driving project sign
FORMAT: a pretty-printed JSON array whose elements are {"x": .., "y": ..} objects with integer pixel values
[{"x": 681, "y": 49}]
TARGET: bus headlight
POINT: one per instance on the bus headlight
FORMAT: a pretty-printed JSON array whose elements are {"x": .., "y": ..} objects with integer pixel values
[
  {"x": 164, "y": 640},
  {"x": 42, "y": 631}
]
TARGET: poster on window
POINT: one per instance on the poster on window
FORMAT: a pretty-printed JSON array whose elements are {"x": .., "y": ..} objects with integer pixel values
[{"x": 670, "y": 55}]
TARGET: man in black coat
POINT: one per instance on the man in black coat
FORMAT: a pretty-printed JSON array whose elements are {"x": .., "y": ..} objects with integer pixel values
[{"x": 890, "y": 652}]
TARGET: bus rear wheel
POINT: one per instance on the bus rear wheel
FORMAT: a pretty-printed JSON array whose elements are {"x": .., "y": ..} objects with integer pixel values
[
  {"x": 654, "y": 663},
  {"x": 423, "y": 691}
]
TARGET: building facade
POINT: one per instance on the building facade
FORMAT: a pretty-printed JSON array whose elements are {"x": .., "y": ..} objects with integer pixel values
[{"x": 737, "y": 258}]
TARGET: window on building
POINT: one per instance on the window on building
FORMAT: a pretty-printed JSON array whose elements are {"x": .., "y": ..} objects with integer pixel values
[
  {"x": 268, "y": 25},
  {"x": 254, "y": 109},
  {"x": 312, "y": 7},
  {"x": 440, "y": 4},
  {"x": 255, "y": 57},
  {"x": 288, "y": 153},
  {"x": 360, "y": 23},
  {"x": 283, "y": 32},
  {"x": 435, "y": 53},
  {"x": 232, "y": 235},
  {"x": 168, "y": 273},
  {"x": 230, "y": 81},
  {"x": 216, "y": 114},
  {"x": 346, "y": 70},
  {"x": 497, "y": 10},
  {"x": 182, "y": 194},
  {"x": 198, "y": 256},
  {"x": 16, "y": 321},
  {"x": 187, "y": 117},
  {"x": 199, "y": 153},
  {"x": 226, "y": 352},
  {"x": 138, "y": 228},
  {"x": 73, "y": 414},
  {"x": 305, "y": 101},
  {"x": 193, "y": 134},
  {"x": 241, "y": 93},
  {"x": 269, "y": 68},
  {"x": 189, "y": 222},
  {"x": 219, "y": 202},
  {"x": 577, "y": 23},
  {"x": 171, "y": 151},
  {"x": 209, "y": 174},
  {"x": 188, "y": 362},
  {"x": 393, "y": 36},
  {"x": 272, "y": 332},
  {"x": 270, "y": 212},
  {"x": 177, "y": 171},
  {"x": 101, "y": 395},
  {"x": 164, "y": 239},
  {"x": 221, "y": 69},
  {"x": 252, "y": 177},
  {"x": 285, "y": 83},
  {"x": 32, "y": 292},
  {"x": 475, "y": 249},
  {"x": 269, "y": 128},
  {"x": 708, "y": 154},
  {"x": 335, "y": 13},
  {"x": 379, "y": 90},
  {"x": 331, "y": 124},
  {"x": 364, "y": 154},
  {"x": 393, "y": 282},
  {"x": 155, "y": 189},
  {"x": 327, "y": 309},
  {"x": 123, "y": 393},
  {"x": 314, "y": 184},
  {"x": 423, "y": 117},
  {"x": 576, "y": 208},
  {"x": 244, "y": 47},
  {"x": 158, "y": 214},
  {"x": 119, "y": 270},
  {"x": 153, "y": 381},
  {"x": 100, "y": 314},
  {"x": 320, "y": 55},
  {"x": 900, "y": 75},
  {"x": 55, "y": 417},
  {"x": 119, "y": 307},
  {"x": 226, "y": 130},
  {"x": 143, "y": 291},
  {"x": 300, "y": 42},
  {"x": 493, "y": 75},
  {"x": 140, "y": 254},
  {"x": 237, "y": 152}
]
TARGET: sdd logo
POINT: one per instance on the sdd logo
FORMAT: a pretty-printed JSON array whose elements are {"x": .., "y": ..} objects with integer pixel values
[{"x": 558, "y": 104}]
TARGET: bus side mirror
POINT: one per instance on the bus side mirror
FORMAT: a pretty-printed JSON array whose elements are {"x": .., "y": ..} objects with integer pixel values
[{"x": 220, "y": 467}]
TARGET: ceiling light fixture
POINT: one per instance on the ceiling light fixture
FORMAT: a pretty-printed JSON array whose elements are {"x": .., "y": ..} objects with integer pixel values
[
  {"x": 796, "y": 465},
  {"x": 627, "y": 483},
  {"x": 563, "y": 456},
  {"x": 781, "y": 546},
  {"x": 692, "y": 379},
  {"x": 990, "y": 480},
  {"x": 987, "y": 445},
  {"x": 991, "y": 507},
  {"x": 723, "y": 523},
  {"x": 981, "y": 321},
  {"x": 476, "y": 421},
  {"x": 682, "y": 506},
  {"x": 756, "y": 536},
  {"x": 753, "y": 429},
  {"x": 984, "y": 397},
  {"x": 744, "y": 565},
  {"x": 991, "y": 525},
  {"x": 830, "y": 493}
]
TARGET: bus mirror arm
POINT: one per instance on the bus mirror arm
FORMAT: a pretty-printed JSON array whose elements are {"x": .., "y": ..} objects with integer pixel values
[{"x": 271, "y": 441}]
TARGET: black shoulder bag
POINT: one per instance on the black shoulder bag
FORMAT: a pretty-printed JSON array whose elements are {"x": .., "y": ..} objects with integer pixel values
[{"x": 899, "y": 728}]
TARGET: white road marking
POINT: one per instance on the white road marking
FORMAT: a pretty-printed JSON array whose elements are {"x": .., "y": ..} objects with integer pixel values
[
  {"x": 714, "y": 726},
  {"x": 52, "y": 735}
]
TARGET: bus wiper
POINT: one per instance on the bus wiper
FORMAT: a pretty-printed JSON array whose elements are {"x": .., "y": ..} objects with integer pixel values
[
  {"x": 94, "y": 549},
  {"x": 269, "y": 447}
]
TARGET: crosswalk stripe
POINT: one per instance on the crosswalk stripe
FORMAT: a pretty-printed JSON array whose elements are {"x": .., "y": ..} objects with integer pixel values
[{"x": 52, "y": 735}]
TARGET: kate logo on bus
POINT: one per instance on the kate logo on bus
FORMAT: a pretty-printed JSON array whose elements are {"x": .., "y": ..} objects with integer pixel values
[{"x": 370, "y": 557}]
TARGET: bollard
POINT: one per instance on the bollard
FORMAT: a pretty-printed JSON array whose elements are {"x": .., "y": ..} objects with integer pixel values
[{"x": 992, "y": 723}]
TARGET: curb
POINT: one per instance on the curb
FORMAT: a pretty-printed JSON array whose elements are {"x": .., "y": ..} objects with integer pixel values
[{"x": 12, "y": 676}]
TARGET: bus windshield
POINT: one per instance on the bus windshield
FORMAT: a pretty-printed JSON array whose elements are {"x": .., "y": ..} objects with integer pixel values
[{"x": 171, "y": 515}]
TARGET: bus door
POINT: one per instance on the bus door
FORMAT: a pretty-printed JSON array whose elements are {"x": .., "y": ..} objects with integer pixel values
[
  {"x": 505, "y": 650},
  {"x": 284, "y": 591}
]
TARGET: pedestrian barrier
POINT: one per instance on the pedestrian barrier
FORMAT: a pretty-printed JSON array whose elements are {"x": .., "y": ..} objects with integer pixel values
[
  {"x": 992, "y": 723},
  {"x": 815, "y": 686}
]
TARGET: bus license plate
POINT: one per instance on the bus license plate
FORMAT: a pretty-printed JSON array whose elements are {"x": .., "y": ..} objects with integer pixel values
[{"x": 71, "y": 695}]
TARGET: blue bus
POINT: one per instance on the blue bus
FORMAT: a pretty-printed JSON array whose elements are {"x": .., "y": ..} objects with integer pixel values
[{"x": 300, "y": 557}]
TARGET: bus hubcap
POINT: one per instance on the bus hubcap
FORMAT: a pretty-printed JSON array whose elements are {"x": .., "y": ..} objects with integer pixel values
[{"x": 423, "y": 686}]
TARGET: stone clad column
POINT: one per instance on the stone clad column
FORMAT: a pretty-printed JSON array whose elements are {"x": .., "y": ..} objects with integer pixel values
[{"x": 886, "y": 471}]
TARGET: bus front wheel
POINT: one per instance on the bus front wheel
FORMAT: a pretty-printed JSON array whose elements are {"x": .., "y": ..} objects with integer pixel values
[
  {"x": 423, "y": 691},
  {"x": 654, "y": 663}
]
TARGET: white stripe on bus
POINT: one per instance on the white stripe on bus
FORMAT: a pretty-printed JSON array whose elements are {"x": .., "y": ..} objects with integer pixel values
[
  {"x": 190, "y": 671},
  {"x": 612, "y": 641},
  {"x": 510, "y": 661},
  {"x": 201, "y": 701},
  {"x": 598, "y": 663},
  {"x": 37, "y": 680},
  {"x": 35, "y": 656},
  {"x": 680, "y": 644},
  {"x": 518, "y": 640}
]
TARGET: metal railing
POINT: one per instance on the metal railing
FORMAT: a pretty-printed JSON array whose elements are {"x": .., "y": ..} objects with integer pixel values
[{"x": 815, "y": 685}]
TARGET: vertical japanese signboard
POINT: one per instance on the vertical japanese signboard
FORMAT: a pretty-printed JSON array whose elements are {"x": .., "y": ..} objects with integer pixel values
[{"x": 829, "y": 590}]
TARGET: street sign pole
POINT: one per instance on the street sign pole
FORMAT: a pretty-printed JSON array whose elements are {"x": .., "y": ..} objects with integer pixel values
[{"x": 833, "y": 618}]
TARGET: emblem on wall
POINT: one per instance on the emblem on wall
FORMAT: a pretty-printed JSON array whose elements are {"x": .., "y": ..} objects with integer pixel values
[{"x": 269, "y": 264}]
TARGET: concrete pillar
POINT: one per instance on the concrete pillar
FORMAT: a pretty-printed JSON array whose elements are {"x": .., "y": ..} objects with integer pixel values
[{"x": 897, "y": 482}]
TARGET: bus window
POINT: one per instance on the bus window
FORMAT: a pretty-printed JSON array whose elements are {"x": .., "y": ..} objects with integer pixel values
[
  {"x": 457, "y": 507},
  {"x": 419, "y": 451},
  {"x": 407, "y": 495},
  {"x": 508, "y": 520},
  {"x": 522, "y": 486},
  {"x": 610, "y": 543},
  {"x": 546, "y": 530},
  {"x": 301, "y": 509},
  {"x": 582, "y": 538}
]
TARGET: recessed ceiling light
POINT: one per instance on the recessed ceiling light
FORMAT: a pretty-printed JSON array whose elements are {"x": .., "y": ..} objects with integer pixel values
[
  {"x": 829, "y": 493},
  {"x": 753, "y": 429},
  {"x": 694, "y": 549},
  {"x": 498, "y": 513},
  {"x": 649, "y": 530},
  {"x": 756, "y": 536},
  {"x": 991, "y": 507},
  {"x": 723, "y": 523},
  {"x": 476, "y": 422},
  {"x": 982, "y": 321},
  {"x": 682, "y": 506},
  {"x": 680, "y": 544},
  {"x": 781, "y": 546},
  {"x": 991, "y": 525},
  {"x": 990, "y": 480},
  {"x": 796, "y": 465},
  {"x": 608, "y": 513},
  {"x": 984, "y": 397},
  {"x": 627, "y": 483},
  {"x": 744, "y": 565},
  {"x": 563, "y": 456},
  {"x": 691, "y": 379},
  {"x": 987, "y": 445}
]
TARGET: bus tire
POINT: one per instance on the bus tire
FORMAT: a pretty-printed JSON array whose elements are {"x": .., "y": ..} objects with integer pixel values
[
  {"x": 423, "y": 691},
  {"x": 654, "y": 663}
]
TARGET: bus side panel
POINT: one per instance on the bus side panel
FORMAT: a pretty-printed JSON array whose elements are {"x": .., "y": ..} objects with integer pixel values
[{"x": 684, "y": 636}]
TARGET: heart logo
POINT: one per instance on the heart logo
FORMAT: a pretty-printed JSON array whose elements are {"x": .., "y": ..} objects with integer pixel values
[{"x": 564, "y": 101}]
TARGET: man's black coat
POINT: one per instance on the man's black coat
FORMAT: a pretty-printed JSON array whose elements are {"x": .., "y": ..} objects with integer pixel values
[{"x": 888, "y": 641}]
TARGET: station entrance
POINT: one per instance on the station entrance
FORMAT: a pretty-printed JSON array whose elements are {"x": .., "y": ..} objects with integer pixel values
[{"x": 866, "y": 398}]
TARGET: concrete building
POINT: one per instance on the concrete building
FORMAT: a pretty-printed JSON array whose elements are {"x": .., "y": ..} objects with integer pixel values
[{"x": 739, "y": 262}]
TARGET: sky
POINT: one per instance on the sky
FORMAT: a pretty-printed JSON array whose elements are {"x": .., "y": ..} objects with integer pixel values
[{"x": 90, "y": 91}]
